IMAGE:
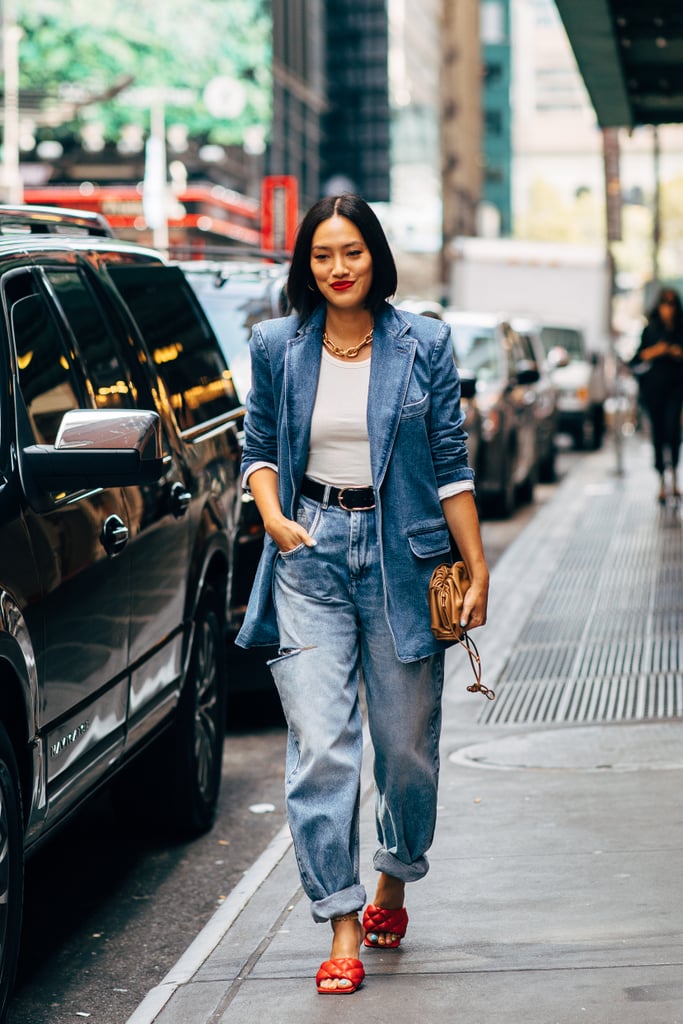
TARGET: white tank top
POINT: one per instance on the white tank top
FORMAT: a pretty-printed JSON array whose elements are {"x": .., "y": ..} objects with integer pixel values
[{"x": 339, "y": 451}]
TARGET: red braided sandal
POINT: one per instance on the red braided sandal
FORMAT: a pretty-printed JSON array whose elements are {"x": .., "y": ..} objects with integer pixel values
[
  {"x": 380, "y": 921},
  {"x": 341, "y": 968}
]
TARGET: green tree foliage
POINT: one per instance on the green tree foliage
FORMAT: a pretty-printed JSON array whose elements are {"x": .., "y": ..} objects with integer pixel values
[
  {"x": 550, "y": 217},
  {"x": 73, "y": 50}
]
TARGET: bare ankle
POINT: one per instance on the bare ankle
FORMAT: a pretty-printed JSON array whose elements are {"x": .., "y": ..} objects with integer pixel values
[
  {"x": 390, "y": 892},
  {"x": 348, "y": 933}
]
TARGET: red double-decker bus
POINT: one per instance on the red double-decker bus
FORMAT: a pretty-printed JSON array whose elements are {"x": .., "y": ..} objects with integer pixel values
[{"x": 201, "y": 217}]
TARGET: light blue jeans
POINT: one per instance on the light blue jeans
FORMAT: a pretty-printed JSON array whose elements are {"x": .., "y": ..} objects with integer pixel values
[{"x": 330, "y": 602}]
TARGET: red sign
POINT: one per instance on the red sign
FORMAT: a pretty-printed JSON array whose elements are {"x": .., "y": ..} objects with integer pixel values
[{"x": 279, "y": 212}]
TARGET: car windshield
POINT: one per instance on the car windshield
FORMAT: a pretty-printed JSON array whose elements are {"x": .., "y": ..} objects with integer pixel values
[
  {"x": 477, "y": 350},
  {"x": 563, "y": 337},
  {"x": 233, "y": 308}
]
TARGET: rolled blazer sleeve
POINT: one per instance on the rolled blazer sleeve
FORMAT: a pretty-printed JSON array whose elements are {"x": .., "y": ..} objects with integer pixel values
[
  {"x": 446, "y": 436},
  {"x": 260, "y": 424}
]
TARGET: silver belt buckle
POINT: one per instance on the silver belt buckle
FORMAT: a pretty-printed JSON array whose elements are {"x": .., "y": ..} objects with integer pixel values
[{"x": 356, "y": 508}]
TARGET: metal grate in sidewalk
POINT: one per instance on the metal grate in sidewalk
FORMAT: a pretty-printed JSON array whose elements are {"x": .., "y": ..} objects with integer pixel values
[{"x": 604, "y": 640}]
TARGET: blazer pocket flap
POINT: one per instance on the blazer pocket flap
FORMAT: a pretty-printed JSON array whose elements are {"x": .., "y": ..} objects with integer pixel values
[
  {"x": 415, "y": 408},
  {"x": 428, "y": 543}
]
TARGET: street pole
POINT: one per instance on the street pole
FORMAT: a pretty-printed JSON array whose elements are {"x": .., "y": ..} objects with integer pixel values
[
  {"x": 656, "y": 210},
  {"x": 11, "y": 34},
  {"x": 155, "y": 186},
  {"x": 610, "y": 151}
]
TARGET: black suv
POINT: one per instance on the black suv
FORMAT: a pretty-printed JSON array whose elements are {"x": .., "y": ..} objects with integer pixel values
[{"x": 120, "y": 516}]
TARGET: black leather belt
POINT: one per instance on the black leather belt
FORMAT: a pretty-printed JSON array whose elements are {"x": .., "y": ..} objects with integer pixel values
[{"x": 352, "y": 499}]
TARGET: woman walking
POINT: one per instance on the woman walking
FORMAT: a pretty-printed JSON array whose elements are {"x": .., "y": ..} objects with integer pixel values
[
  {"x": 356, "y": 458},
  {"x": 659, "y": 366}
]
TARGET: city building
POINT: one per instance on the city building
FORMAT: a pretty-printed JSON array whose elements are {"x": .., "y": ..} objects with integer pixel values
[
  {"x": 461, "y": 119},
  {"x": 557, "y": 146},
  {"x": 355, "y": 150},
  {"x": 299, "y": 93},
  {"x": 330, "y": 97},
  {"x": 496, "y": 48},
  {"x": 434, "y": 90}
]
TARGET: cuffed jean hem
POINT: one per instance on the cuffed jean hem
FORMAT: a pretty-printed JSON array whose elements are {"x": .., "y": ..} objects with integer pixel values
[
  {"x": 346, "y": 901},
  {"x": 390, "y": 865}
]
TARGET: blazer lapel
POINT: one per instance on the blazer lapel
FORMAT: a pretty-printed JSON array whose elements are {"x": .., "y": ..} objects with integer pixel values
[
  {"x": 392, "y": 361},
  {"x": 301, "y": 372}
]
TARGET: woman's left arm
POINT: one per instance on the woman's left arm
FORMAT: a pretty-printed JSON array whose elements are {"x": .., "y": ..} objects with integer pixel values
[
  {"x": 462, "y": 518},
  {"x": 450, "y": 459}
]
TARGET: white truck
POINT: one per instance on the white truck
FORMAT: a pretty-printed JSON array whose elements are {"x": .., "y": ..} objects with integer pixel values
[{"x": 566, "y": 290}]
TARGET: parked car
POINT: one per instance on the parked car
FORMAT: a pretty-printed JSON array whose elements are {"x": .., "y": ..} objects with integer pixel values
[
  {"x": 546, "y": 404},
  {"x": 489, "y": 348},
  {"x": 580, "y": 379},
  {"x": 120, "y": 517}
]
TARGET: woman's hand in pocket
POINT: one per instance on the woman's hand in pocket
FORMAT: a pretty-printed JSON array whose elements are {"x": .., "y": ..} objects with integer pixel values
[{"x": 288, "y": 534}]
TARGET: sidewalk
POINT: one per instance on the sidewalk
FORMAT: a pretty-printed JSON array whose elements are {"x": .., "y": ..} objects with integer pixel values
[{"x": 556, "y": 890}]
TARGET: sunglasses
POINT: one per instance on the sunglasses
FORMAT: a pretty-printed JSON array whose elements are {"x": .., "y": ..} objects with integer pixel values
[{"x": 667, "y": 302}]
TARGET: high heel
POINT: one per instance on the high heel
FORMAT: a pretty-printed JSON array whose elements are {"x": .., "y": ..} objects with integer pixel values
[
  {"x": 661, "y": 497},
  {"x": 347, "y": 971},
  {"x": 379, "y": 922}
]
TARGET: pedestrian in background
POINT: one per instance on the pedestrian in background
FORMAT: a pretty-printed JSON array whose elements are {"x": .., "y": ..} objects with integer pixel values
[
  {"x": 356, "y": 458},
  {"x": 658, "y": 364}
]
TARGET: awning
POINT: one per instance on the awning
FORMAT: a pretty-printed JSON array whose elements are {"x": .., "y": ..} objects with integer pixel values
[{"x": 630, "y": 55}]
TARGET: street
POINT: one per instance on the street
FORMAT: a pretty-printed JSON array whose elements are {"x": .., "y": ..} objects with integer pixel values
[{"x": 110, "y": 906}]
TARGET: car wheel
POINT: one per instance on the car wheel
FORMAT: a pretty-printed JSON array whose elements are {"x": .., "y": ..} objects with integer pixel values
[
  {"x": 11, "y": 869},
  {"x": 525, "y": 491},
  {"x": 547, "y": 473},
  {"x": 200, "y": 725},
  {"x": 598, "y": 427},
  {"x": 583, "y": 438},
  {"x": 502, "y": 503},
  {"x": 174, "y": 783}
]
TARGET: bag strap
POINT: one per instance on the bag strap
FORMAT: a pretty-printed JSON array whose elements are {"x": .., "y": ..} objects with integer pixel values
[{"x": 475, "y": 661}]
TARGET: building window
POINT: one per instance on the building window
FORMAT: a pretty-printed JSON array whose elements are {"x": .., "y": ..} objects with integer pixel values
[
  {"x": 492, "y": 22},
  {"x": 494, "y": 176},
  {"x": 493, "y": 75},
  {"x": 493, "y": 122}
]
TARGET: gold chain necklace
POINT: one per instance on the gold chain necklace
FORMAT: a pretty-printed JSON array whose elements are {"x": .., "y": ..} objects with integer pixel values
[{"x": 346, "y": 353}]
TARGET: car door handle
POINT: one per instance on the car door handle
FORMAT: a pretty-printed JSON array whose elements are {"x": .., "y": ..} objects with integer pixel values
[
  {"x": 180, "y": 500},
  {"x": 114, "y": 535}
]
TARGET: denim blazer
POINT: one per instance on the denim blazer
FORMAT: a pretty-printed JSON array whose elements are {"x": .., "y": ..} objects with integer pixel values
[{"x": 417, "y": 445}]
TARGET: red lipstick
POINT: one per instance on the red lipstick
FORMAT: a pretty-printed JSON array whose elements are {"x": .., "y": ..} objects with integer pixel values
[{"x": 341, "y": 286}]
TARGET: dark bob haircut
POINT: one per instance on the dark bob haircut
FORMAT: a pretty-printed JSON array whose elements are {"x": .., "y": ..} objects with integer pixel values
[
  {"x": 671, "y": 297},
  {"x": 302, "y": 291}
]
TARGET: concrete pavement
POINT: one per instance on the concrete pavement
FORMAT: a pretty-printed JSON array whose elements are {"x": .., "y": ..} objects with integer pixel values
[{"x": 555, "y": 894}]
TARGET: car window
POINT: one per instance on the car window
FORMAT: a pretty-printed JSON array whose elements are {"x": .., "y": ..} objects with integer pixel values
[
  {"x": 112, "y": 388},
  {"x": 232, "y": 316},
  {"x": 233, "y": 306},
  {"x": 182, "y": 344},
  {"x": 563, "y": 337},
  {"x": 45, "y": 367},
  {"x": 476, "y": 349}
]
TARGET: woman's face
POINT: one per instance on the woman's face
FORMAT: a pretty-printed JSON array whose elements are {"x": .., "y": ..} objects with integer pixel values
[
  {"x": 341, "y": 263},
  {"x": 667, "y": 309}
]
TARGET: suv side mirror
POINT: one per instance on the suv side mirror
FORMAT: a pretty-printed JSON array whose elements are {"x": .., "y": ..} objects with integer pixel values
[{"x": 99, "y": 448}]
